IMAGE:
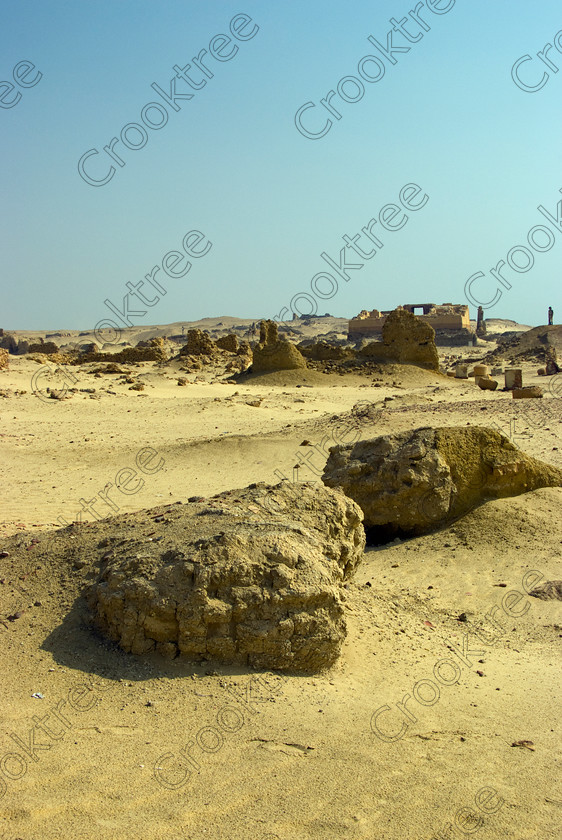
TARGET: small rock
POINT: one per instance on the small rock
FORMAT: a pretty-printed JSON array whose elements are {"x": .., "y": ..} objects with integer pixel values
[
  {"x": 550, "y": 590},
  {"x": 486, "y": 384},
  {"x": 529, "y": 745},
  {"x": 531, "y": 392}
]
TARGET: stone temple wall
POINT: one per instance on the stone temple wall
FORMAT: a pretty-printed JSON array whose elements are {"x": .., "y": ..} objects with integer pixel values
[{"x": 454, "y": 317}]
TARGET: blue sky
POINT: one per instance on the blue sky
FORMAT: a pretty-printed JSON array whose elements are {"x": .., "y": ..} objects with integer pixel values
[{"x": 230, "y": 163}]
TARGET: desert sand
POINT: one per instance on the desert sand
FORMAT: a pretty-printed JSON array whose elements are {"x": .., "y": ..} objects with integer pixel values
[{"x": 143, "y": 747}]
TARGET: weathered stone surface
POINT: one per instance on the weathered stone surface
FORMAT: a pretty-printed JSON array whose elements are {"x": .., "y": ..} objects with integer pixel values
[
  {"x": 550, "y": 590},
  {"x": 274, "y": 353},
  {"x": 244, "y": 349},
  {"x": 153, "y": 350},
  {"x": 12, "y": 345},
  {"x": 45, "y": 347},
  {"x": 486, "y": 384},
  {"x": 198, "y": 344},
  {"x": 405, "y": 339},
  {"x": 414, "y": 481},
  {"x": 321, "y": 351},
  {"x": 532, "y": 392},
  {"x": 250, "y": 577},
  {"x": 228, "y": 342},
  {"x": 4, "y": 358},
  {"x": 481, "y": 370},
  {"x": 513, "y": 378},
  {"x": 551, "y": 358}
]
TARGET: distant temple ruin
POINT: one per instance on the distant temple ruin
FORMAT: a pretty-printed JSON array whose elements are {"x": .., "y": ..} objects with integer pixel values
[{"x": 451, "y": 322}]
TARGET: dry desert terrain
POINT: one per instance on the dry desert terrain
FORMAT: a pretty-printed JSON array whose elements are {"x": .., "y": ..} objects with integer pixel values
[{"x": 99, "y": 743}]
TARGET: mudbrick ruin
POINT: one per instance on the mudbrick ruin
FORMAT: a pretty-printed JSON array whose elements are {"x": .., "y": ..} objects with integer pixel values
[{"x": 451, "y": 322}]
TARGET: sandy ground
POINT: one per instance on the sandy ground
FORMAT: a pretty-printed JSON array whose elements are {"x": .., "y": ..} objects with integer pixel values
[{"x": 251, "y": 754}]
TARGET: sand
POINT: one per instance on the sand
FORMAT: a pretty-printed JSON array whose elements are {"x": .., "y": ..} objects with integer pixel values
[{"x": 269, "y": 755}]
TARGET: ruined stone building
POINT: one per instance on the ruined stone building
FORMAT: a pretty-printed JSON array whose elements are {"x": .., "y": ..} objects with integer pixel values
[{"x": 451, "y": 322}]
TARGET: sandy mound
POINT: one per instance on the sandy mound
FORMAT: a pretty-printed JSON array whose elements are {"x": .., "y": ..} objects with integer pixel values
[{"x": 533, "y": 345}]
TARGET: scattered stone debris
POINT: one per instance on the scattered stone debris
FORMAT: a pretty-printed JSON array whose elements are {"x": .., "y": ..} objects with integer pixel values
[
  {"x": 539, "y": 344},
  {"x": 528, "y": 745},
  {"x": 322, "y": 351},
  {"x": 59, "y": 395},
  {"x": 111, "y": 367}
]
